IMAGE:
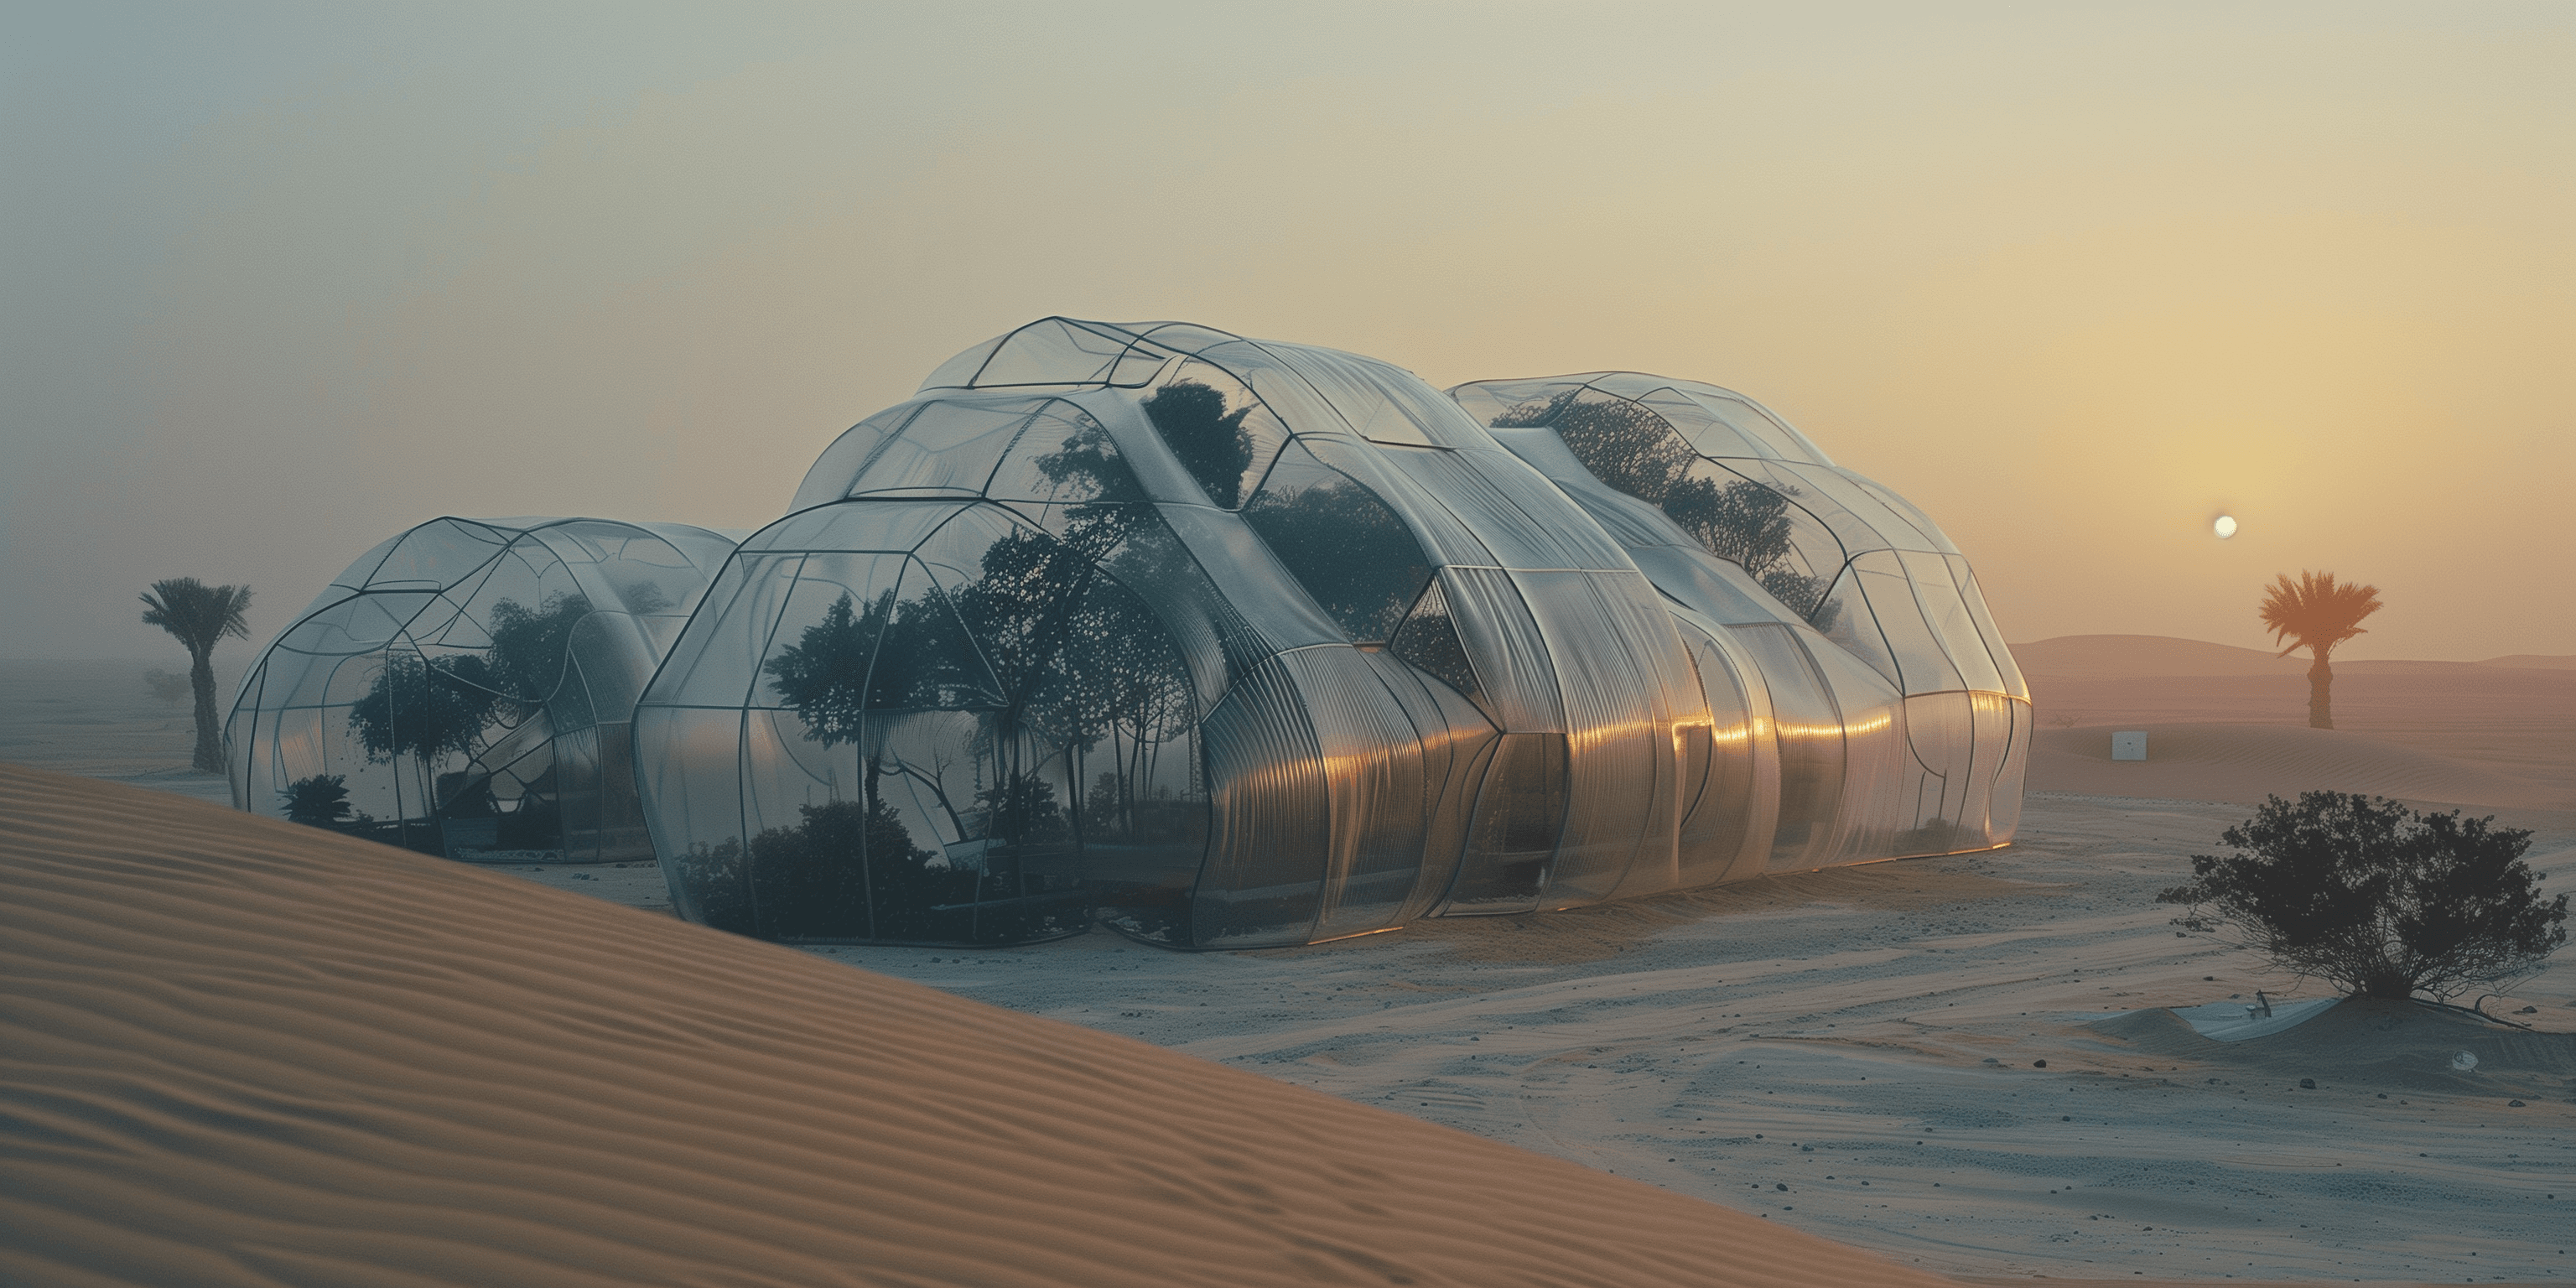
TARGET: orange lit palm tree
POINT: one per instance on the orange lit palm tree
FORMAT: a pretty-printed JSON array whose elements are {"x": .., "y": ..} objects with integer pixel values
[
  {"x": 200, "y": 616},
  {"x": 2316, "y": 612}
]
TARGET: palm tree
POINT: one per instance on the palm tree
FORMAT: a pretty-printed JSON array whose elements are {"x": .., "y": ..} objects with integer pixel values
[
  {"x": 200, "y": 616},
  {"x": 2316, "y": 613}
]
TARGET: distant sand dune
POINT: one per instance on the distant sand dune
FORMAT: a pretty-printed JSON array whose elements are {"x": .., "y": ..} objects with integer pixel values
[
  {"x": 2501, "y": 732},
  {"x": 2094, "y": 656},
  {"x": 2246, "y": 762},
  {"x": 2535, "y": 661},
  {"x": 2098, "y": 656},
  {"x": 236, "y": 1052}
]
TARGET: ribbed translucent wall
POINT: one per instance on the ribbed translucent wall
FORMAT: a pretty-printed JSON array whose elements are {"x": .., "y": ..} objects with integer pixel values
[
  {"x": 1230, "y": 643},
  {"x": 1900, "y": 721},
  {"x": 470, "y": 684}
]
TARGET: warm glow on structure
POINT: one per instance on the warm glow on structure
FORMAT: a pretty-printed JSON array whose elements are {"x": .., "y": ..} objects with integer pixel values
[{"x": 1227, "y": 643}]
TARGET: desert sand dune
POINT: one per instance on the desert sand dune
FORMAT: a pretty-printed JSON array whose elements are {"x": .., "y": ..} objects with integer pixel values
[
  {"x": 2129, "y": 656},
  {"x": 240, "y": 1052},
  {"x": 2245, "y": 763},
  {"x": 2535, "y": 661},
  {"x": 2123, "y": 656},
  {"x": 1870, "y": 1037},
  {"x": 2512, "y": 719},
  {"x": 511, "y": 1121}
]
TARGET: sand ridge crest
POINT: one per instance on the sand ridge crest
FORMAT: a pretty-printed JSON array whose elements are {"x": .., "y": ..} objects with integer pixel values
[{"x": 240, "y": 1052}]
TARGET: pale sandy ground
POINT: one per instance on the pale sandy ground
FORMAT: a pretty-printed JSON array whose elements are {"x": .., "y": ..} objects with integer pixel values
[
  {"x": 242, "y": 1052},
  {"x": 1809, "y": 1030},
  {"x": 2496, "y": 733},
  {"x": 1830, "y": 1033}
]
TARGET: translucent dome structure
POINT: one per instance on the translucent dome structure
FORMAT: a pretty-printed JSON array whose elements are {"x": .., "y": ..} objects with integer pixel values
[
  {"x": 1232, "y": 643},
  {"x": 1901, "y": 721},
  {"x": 466, "y": 688}
]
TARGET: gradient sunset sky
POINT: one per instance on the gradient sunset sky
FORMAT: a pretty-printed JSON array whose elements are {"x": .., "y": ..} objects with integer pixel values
[{"x": 279, "y": 281}]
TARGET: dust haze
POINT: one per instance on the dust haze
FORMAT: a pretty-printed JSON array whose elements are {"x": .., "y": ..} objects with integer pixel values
[{"x": 278, "y": 286}]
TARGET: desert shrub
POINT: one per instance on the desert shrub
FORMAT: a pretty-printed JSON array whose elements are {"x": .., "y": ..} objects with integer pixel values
[
  {"x": 712, "y": 877},
  {"x": 2377, "y": 899}
]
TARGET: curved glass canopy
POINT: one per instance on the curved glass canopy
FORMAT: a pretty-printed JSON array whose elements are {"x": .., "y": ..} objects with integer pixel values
[
  {"x": 1233, "y": 643},
  {"x": 1751, "y": 531},
  {"x": 466, "y": 688}
]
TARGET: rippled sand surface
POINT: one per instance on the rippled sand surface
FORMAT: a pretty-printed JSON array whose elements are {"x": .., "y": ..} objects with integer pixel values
[{"x": 240, "y": 1052}]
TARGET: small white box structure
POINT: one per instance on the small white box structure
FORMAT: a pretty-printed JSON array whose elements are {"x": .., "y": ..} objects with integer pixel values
[{"x": 2129, "y": 744}]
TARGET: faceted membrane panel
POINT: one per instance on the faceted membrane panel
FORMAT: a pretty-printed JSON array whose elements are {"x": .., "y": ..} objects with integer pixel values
[
  {"x": 466, "y": 688},
  {"x": 1227, "y": 643},
  {"x": 1895, "y": 703}
]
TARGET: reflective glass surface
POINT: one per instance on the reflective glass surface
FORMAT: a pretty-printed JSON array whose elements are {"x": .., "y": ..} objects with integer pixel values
[
  {"x": 1342, "y": 542},
  {"x": 466, "y": 688},
  {"x": 1217, "y": 642},
  {"x": 1894, "y": 703}
]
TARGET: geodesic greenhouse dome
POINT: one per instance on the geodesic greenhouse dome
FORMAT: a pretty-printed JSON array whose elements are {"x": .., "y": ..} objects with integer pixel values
[
  {"x": 1231, "y": 643},
  {"x": 466, "y": 687},
  {"x": 1754, "y": 534}
]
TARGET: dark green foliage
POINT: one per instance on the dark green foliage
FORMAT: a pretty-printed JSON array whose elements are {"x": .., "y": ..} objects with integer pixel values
[
  {"x": 536, "y": 825},
  {"x": 711, "y": 884},
  {"x": 1089, "y": 461},
  {"x": 1061, "y": 667},
  {"x": 527, "y": 656},
  {"x": 1429, "y": 639},
  {"x": 1636, "y": 451},
  {"x": 1123, "y": 692},
  {"x": 1021, "y": 610},
  {"x": 1023, "y": 809},
  {"x": 1210, "y": 440},
  {"x": 424, "y": 709},
  {"x": 823, "y": 675},
  {"x": 1623, "y": 444},
  {"x": 200, "y": 616},
  {"x": 319, "y": 801},
  {"x": 813, "y": 879},
  {"x": 851, "y": 871},
  {"x": 908, "y": 655},
  {"x": 1348, "y": 548},
  {"x": 1749, "y": 523},
  {"x": 2377, "y": 899},
  {"x": 1744, "y": 521},
  {"x": 1804, "y": 595}
]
